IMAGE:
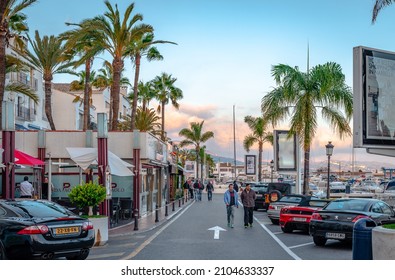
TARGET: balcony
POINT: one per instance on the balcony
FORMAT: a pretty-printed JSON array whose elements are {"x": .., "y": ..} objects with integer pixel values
[{"x": 24, "y": 114}]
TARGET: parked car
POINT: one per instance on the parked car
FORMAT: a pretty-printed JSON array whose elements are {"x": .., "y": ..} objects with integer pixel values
[
  {"x": 40, "y": 229},
  {"x": 337, "y": 187},
  {"x": 315, "y": 191},
  {"x": 298, "y": 217},
  {"x": 269, "y": 192},
  {"x": 336, "y": 220},
  {"x": 274, "y": 209}
]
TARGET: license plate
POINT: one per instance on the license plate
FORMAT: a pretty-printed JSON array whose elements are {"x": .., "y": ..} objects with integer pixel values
[
  {"x": 66, "y": 230},
  {"x": 258, "y": 196},
  {"x": 335, "y": 235},
  {"x": 299, "y": 219}
]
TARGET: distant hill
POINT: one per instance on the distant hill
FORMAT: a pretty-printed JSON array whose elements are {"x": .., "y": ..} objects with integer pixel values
[{"x": 226, "y": 159}]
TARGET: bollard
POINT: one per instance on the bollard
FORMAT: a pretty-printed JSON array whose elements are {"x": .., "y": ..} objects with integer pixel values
[
  {"x": 179, "y": 202},
  {"x": 136, "y": 219},
  {"x": 362, "y": 239},
  {"x": 156, "y": 213},
  {"x": 173, "y": 206},
  {"x": 167, "y": 209},
  {"x": 183, "y": 201}
]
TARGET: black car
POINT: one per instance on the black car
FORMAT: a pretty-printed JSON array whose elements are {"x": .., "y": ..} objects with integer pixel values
[
  {"x": 336, "y": 220},
  {"x": 269, "y": 192},
  {"x": 40, "y": 229}
]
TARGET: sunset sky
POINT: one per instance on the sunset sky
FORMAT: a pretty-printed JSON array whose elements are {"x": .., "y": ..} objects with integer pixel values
[{"x": 226, "y": 50}]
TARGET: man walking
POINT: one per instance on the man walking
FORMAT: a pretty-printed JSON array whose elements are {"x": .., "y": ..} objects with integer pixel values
[
  {"x": 248, "y": 199},
  {"x": 209, "y": 189},
  {"x": 231, "y": 200},
  {"x": 186, "y": 189},
  {"x": 26, "y": 188}
]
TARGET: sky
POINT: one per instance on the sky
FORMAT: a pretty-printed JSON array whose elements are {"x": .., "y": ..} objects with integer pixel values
[{"x": 224, "y": 54}]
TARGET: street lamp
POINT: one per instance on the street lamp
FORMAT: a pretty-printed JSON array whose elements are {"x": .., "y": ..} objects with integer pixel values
[
  {"x": 329, "y": 151},
  {"x": 271, "y": 169}
]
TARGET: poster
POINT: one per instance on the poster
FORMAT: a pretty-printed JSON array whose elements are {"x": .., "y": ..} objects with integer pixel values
[{"x": 250, "y": 164}]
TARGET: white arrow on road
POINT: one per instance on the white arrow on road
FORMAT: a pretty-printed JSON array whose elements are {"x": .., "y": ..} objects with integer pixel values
[{"x": 216, "y": 230}]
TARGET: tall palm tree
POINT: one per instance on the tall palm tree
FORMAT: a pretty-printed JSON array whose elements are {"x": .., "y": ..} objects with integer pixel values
[
  {"x": 13, "y": 64},
  {"x": 84, "y": 45},
  {"x": 196, "y": 137},
  {"x": 378, "y": 6},
  {"x": 184, "y": 155},
  {"x": 143, "y": 47},
  {"x": 48, "y": 57},
  {"x": 299, "y": 96},
  {"x": 145, "y": 94},
  {"x": 259, "y": 136},
  {"x": 146, "y": 121},
  {"x": 12, "y": 25},
  {"x": 166, "y": 92},
  {"x": 114, "y": 34}
]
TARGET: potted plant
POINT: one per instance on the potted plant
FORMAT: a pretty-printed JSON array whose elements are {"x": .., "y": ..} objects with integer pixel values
[{"x": 89, "y": 195}]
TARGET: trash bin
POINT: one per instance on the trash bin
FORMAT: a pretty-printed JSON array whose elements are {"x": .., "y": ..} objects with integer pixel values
[{"x": 362, "y": 239}]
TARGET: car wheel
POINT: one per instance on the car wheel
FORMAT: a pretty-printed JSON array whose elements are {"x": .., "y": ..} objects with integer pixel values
[
  {"x": 80, "y": 257},
  {"x": 275, "y": 222},
  {"x": 287, "y": 229},
  {"x": 319, "y": 241}
]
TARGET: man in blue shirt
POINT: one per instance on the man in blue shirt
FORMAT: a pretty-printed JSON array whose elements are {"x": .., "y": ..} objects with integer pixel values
[{"x": 231, "y": 200}]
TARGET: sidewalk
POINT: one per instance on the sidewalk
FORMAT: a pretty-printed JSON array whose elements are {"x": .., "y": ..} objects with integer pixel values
[{"x": 147, "y": 222}]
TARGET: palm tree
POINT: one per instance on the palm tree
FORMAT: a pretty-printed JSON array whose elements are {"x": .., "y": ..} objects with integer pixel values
[
  {"x": 146, "y": 121},
  {"x": 114, "y": 34},
  {"x": 145, "y": 94},
  {"x": 166, "y": 91},
  {"x": 48, "y": 57},
  {"x": 143, "y": 46},
  {"x": 13, "y": 64},
  {"x": 12, "y": 24},
  {"x": 195, "y": 136},
  {"x": 184, "y": 155},
  {"x": 299, "y": 96},
  {"x": 378, "y": 6},
  {"x": 258, "y": 135}
]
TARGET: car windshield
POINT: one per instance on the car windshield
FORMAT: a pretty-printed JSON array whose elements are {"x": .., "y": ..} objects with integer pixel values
[
  {"x": 259, "y": 188},
  {"x": 317, "y": 203},
  {"x": 40, "y": 209},
  {"x": 293, "y": 199},
  {"x": 356, "y": 205}
]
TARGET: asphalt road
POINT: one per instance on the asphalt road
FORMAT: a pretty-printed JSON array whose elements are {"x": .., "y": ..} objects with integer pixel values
[{"x": 187, "y": 237}]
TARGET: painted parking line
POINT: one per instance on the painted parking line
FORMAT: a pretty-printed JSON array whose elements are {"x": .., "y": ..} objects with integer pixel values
[
  {"x": 106, "y": 256},
  {"x": 301, "y": 245}
]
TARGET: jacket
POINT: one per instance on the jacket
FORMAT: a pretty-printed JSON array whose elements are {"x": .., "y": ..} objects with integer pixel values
[
  {"x": 227, "y": 198},
  {"x": 248, "y": 199}
]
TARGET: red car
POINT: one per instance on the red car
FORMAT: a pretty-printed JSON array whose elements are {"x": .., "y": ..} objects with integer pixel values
[{"x": 298, "y": 217}]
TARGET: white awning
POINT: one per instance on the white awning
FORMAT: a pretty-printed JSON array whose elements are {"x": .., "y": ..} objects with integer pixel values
[{"x": 84, "y": 157}]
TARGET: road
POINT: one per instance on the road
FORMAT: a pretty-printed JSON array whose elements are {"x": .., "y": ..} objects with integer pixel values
[{"x": 187, "y": 237}]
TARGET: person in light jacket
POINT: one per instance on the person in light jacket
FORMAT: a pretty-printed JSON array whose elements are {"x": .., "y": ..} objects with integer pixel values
[
  {"x": 231, "y": 200},
  {"x": 248, "y": 199}
]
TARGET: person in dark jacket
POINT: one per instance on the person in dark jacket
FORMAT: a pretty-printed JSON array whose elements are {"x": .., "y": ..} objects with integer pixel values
[
  {"x": 235, "y": 186},
  {"x": 209, "y": 189},
  {"x": 248, "y": 200}
]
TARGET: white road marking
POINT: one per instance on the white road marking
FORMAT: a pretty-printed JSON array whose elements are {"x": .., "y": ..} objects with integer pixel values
[
  {"x": 301, "y": 245},
  {"x": 149, "y": 240},
  {"x": 106, "y": 256},
  {"x": 216, "y": 230}
]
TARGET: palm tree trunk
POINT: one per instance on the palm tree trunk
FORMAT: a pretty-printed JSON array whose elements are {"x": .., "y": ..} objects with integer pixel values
[
  {"x": 2, "y": 63},
  {"x": 48, "y": 102},
  {"x": 86, "y": 94},
  {"x": 163, "y": 121},
  {"x": 135, "y": 86},
  {"x": 306, "y": 170},
  {"x": 115, "y": 91},
  {"x": 260, "y": 148},
  {"x": 197, "y": 162}
]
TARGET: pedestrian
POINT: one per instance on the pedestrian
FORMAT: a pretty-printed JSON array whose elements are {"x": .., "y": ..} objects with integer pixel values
[
  {"x": 235, "y": 186},
  {"x": 248, "y": 200},
  {"x": 209, "y": 189},
  {"x": 196, "y": 187},
  {"x": 231, "y": 201},
  {"x": 191, "y": 196},
  {"x": 44, "y": 188},
  {"x": 186, "y": 189},
  {"x": 26, "y": 188}
]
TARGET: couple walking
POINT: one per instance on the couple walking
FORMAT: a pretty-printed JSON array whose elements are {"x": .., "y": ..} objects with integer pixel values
[{"x": 247, "y": 199}]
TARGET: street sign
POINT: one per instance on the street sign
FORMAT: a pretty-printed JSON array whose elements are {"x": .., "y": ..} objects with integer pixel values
[{"x": 216, "y": 230}]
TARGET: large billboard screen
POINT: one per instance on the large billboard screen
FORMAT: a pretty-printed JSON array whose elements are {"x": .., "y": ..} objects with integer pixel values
[
  {"x": 284, "y": 151},
  {"x": 374, "y": 98}
]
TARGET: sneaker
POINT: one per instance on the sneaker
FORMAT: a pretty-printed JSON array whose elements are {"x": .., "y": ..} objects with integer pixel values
[
  {"x": 245, "y": 226},
  {"x": 250, "y": 225},
  {"x": 232, "y": 226},
  {"x": 228, "y": 224}
]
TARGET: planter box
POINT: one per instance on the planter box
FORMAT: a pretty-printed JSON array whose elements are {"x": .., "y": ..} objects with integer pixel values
[
  {"x": 383, "y": 243},
  {"x": 100, "y": 225}
]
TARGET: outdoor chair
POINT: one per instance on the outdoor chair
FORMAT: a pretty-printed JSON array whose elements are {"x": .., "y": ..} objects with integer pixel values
[{"x": 126, "y": 208}]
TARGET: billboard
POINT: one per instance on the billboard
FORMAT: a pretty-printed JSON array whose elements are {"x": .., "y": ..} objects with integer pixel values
[
  {"x": 285, "y": 157},
  {"x": 250, "y": 164},
  {"x": 374, "y": 98}
]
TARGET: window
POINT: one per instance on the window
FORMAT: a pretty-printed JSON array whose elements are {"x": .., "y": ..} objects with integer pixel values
[
  {"x": 107, "y": 105},
  {"x": 19, "y": 104},
  {"x": 385, "y": 208},
  {"x": 376, "y": 208}
]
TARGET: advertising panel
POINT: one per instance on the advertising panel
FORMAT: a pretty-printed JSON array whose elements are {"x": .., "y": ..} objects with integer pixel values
[
  {"x": 250, "y": 164},
  {"x": 284, "y": 151}
]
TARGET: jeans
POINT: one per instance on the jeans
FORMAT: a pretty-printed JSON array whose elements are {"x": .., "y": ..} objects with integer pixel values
[
  {"x": 230, "y": 214},
  {"x": 210, "y": 195},
  {"x": 199, "y": 194},
  {"x": 248, "y": 215}
]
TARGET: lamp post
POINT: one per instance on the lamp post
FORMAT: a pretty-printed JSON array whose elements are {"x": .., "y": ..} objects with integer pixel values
[
  {"x": 329, "y": 151},
  {"x": 271, "y": 170}
]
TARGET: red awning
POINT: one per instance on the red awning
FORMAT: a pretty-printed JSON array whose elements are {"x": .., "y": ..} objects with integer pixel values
[{"x": 25, "y": 159}]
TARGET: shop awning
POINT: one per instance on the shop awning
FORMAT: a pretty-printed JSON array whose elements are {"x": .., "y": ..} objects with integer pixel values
[
  {"x": 22, "y": 158},
  {"x": 84, "y": 157}
]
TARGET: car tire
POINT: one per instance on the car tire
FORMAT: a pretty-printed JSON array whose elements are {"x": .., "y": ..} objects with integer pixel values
[
  {"x": 287, "y": 229},
  {"x": 79, "y": 257},
  {"x": 275, "y": 222},
  {"x": 274, "y": 196},
  {"x": 319, "y": 241}
]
